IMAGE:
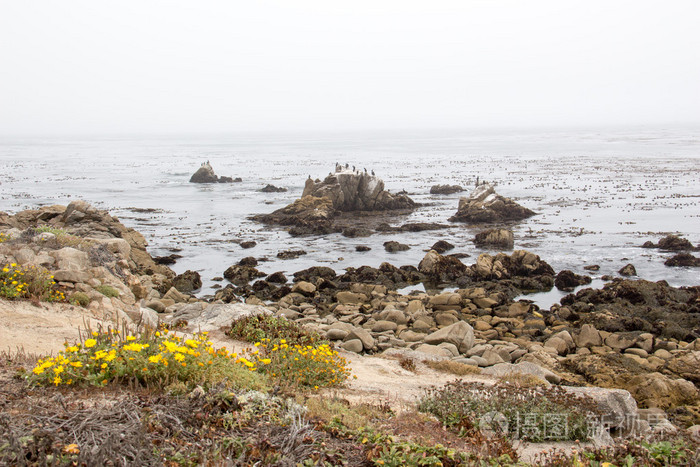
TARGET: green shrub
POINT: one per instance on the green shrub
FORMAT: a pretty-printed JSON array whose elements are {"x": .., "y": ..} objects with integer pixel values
[
  {"x": 531, "y": 413},
  {"x": 107, "y": 290},
  {"x": 79, "y": 299},
  {"x": 29, "y": 282},
  {"x": 260, "y": 327},
  {"x": 52, "y": 230}
]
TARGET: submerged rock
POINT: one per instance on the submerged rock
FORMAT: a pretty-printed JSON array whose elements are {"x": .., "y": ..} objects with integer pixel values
[
  {"x": 485, "y": 205},
  {"x": 441, "y": 246},
  {"x": 671, "y": 243},
  {"x": 445, "y": 189},
  {"x": 496, "y": 238},
  {"x": 393, "y": 246},
  {"x": 567, "y": 280},
  {"x": 272, "y": 189}
]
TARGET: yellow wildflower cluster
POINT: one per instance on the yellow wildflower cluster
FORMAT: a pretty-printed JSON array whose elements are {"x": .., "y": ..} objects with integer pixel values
[
  {"x": 157, "y": 358},
  {"x": 28, "y": 282},
  {"x": 4, "y": 237},
  {"x": 306, "y": 365}
]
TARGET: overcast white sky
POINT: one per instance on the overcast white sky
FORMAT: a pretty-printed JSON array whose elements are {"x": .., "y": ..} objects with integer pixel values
[{"x": 210, "y": 66}]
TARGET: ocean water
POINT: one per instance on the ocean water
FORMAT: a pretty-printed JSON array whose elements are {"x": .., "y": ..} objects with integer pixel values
[{"x": 598, "y": 194}]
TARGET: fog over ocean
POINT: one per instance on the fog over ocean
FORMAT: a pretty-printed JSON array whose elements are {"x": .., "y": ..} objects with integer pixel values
[{"x": 598, "y": 193}]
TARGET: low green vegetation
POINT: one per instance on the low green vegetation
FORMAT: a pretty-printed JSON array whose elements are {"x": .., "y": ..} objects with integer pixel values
[
  {"x": 107, "y": 291},
  {"x": 79, "y": 299},
  {"x": 257, "y": 328},
  {"x": 533, "y": 413}
]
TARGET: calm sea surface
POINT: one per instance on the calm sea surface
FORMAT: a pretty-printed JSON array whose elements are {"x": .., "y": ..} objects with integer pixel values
[{"x": 599, "y": 194}]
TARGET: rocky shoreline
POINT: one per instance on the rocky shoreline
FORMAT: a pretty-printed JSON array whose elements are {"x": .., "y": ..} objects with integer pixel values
[{"x": 632, "y": 335}]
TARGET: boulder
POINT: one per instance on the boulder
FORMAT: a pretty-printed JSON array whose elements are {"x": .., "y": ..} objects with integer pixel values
[
  {"x": 187, "y": 282},
  {"x": 393, "y": 246},
  {"x": 588, "y": 336},
  {"x": 241, "y": 275},
  {"x": 495, "y": 238},
  {"x": 484, "y": 205},
  {"x": 683, "y": 260},
  {"x": 617, "y": 405},
  {"x": 460, "y": 334},
  {"x": 441, "y": 246},
  {"x": 567, "y": 281},
  {"x": 272, "y": 189},
  {"x": 353, "y": 345},
  {"x": 205, "y": 174},
  {"x": 441, "y": 268},
  {"x": 248, "y": 244},
  {"x": 675, "y": 243},
  {"x": 445, "y": 189},
  {"x": 201, "y": 317},
  {"x": 628, "y": 270},
  {"x": 363, "y": 335},
  {"x": 657, "y": 390}
]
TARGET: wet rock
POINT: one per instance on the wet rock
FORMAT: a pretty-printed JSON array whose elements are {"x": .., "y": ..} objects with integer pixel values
[
  {"x": 628, "y": 270},
  {"x": 495, "y": 238},
  {"x": 441, "y": 246},
  {"x": 393, "y": 246},
  {"x": 309, "y": 214},
  {"x": 441, "y": 268},
  {"x": 675, "y": 243},
  {"x": 205, "y": 174},
  {"x": 187, "y": 282},
  {"x": 683, "y": 260},
  {"x": 314, "y": 273},
  {"x": 290, "y": 254},
  {"x": 362, "y": 248},
  {"x": 248, "y": 261},
  {"x": 241, "y": 275},
  {"x": 272, "y": 189},
  {"x": 304, "y": 288},
  {"x": 485, "y": 205},
  {"x": 567, "y": 281},
  {"x": 592, "y": 267},
  {"x": 355, "y": 232},
  {"x": 445, "y": 189},
  {"x": 169, "y": 259},
  {"x": 248, "y": 244},
  {"x": 277, "y": 278}
]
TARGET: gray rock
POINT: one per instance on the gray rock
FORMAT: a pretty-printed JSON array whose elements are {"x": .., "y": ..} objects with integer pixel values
[
  {"x": 353, "y": 345},
  {"x": 214, "y": 316},
  {"x": 156, "y": 305},
  {"x": 588, "y": 337},
  {"x": 336, "y": 334},
  {"x": 63, "y": 275},
  {"x": 460, "y": 334},
  {"x": 363, "y": 335},
  {"x": 381, "y": 326}
]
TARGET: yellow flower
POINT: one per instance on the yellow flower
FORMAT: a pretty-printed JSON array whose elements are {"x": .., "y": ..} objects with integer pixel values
[
  {"x": 179, "y": 357},
  {"x": 95, "y": 333},
  {"x": 38, "y": 370},
  {"x": 76, "y": 364},
  {"x": 130, "y": 338},
  {"x": 90, "y": 343},
  {"x": 57, "y": 380},
  {"x": 58, "y": 370},
  {"x": 155, "y": 358}
]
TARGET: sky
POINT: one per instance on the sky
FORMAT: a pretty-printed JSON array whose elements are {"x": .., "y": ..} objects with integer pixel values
[{"x": 149, "y": 66}]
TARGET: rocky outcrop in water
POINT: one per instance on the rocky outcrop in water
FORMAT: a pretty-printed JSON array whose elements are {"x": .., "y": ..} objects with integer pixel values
[
  {"x": 495, "y": 238},
  {"x": 205, "y": 174},
  {"x": 344, "y": 192},
  {"x": 683, "y": 260},
  {"x": 445, "y": 189},
  {"x": 356, "y": 191},
  {"x": 484, "y": 205},
  {"x": 671, "y": 243}
]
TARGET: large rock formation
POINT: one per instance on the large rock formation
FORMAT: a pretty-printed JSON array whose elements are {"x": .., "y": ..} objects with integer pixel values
[
  {"x": 345, "y": 191},
  {"x": 356, "y": 191},
  {"x": 205, "y": 174},
  {"x": 485, "y": 205}
]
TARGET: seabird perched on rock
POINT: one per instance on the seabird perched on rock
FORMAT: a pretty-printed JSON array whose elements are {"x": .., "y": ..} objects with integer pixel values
[
  {"x": 365, "y": 169},
  {"x": 372, "y": 172},
  {"x": 353, "y": 168}
]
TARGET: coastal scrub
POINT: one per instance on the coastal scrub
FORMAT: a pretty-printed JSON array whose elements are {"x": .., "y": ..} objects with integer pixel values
[{"x": 28, "y": 282}]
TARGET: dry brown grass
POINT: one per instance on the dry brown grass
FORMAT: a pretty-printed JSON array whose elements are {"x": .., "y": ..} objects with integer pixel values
[
  {"x": 455, "y": 368},
  {"x": 523, "y": 380}
]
